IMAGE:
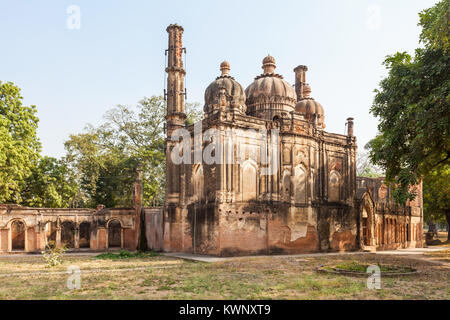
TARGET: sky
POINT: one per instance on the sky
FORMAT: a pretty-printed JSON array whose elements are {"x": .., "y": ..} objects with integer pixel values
[{"x": 74, "y": 70}]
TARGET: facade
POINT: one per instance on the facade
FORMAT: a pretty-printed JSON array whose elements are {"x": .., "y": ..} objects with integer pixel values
[
  {"x": 257, "y": 175},
  {"x": 383, "y": 223},
  {"x": 24, "y": 229},
  {"x": 236, "y": 204}
]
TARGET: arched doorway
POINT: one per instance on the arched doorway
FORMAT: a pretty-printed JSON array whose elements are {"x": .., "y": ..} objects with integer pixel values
[
  {"x": 68, "y": 234},
  {"x": 114, "y": 234},
  {"x": 17, "y": 235},
  {"x": 85, "y": 235}
]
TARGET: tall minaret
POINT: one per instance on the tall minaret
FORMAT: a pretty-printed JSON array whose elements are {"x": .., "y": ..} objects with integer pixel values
[
  {"x": 300, "y": 80},
  {"x": 175, "y": 116}
]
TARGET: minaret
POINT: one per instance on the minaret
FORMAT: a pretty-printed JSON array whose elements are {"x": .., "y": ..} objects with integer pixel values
[
  {"x": 175, "y": 80},
  {"x": 175, "y": 116},
  {"x": 300, "y": 80}
]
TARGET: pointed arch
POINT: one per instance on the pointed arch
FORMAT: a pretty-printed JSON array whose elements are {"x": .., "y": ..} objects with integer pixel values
[
  {"x": 249, "y": 180},
  {"x": 300, "y": 187},
  {"x": 334, "y": 186},
  {"x": 198, "y": 182}
]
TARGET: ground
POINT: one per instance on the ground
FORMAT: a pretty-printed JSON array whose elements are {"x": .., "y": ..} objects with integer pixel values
[{"x": 273, "y": 277}]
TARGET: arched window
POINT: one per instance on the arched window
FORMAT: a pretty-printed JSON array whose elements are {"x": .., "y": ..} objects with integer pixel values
[
  {"x": 199, "y": 182},
  {"x": 334, "y": 186},
  {"x": 114, "y": 234},
  {"x": 249, "y": 180},
  {"x": 17, "y": 235},
  {"x": 300, "y": 184}
]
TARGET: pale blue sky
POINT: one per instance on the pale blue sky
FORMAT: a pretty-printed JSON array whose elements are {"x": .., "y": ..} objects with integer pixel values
[{"x": 117, "y": 56}]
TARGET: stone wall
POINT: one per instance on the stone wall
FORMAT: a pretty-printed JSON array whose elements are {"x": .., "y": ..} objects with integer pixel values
[
  {"x": 384, "y": 224},
  {"x": 31, "y": 229}
]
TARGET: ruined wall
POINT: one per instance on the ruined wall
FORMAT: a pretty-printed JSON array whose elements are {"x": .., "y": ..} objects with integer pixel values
[
  {"x": 31, "y": 229},
  {"x": 384, "y": 224}
]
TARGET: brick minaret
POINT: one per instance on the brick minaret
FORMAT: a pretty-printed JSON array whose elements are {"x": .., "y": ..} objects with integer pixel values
[
  {"x": 175, "y": 116},
  {"x": 300, "y": 80}
]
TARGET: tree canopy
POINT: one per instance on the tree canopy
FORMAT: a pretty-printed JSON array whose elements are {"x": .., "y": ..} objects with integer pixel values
[
  {"x": 19, "y": 145},
  {"x": 106, "y": 157},
  {"x": 413, "y": 108},
  {"x": 412, "y": 105}
]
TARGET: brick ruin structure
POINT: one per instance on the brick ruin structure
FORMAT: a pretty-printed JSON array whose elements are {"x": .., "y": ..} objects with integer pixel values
[
  {"x": 313, "y": 201},
  {"x": 278, "y": 183},
  {"x": 24, "y": 229}
]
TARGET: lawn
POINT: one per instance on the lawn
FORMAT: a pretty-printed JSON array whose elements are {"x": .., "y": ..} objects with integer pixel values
[{"x": 161, "y": 277}]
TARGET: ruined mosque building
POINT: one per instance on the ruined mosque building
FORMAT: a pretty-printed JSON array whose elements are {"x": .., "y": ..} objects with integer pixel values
[{"x": 313, "y": 201}]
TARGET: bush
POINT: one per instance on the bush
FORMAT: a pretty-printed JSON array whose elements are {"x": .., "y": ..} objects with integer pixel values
[{"x": 53, "y": 254}]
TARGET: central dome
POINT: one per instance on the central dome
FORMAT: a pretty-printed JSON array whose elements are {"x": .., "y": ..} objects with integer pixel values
[{"x": 269, "y": 95}]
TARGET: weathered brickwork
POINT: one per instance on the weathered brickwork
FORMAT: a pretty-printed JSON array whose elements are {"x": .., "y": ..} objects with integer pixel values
[
  {"x": 309, "y": 203},
  {"x": 24, "y": 229},
  {"x": 383, "y": 224}
]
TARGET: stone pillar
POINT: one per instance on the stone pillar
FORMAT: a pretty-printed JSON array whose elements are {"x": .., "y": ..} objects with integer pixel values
[
  {"x": 77, "y": 238},
  {"x": 58, "y": 236}
]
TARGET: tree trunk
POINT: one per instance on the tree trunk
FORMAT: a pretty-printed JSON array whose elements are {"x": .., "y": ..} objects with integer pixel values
[{"x": 447, "y": 216}]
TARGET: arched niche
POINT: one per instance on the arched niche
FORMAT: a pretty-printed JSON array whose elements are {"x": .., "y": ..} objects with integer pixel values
[
  {"x": 18, "y": 235},
  {"x": 68, "y": 234},
  {"x": 300, "y": 184},
  {"x": 334, "y": 186},
  {"x": 114, "y": 233},
  {"x": 85, "y": 235},
  {"x": 199, "y": 183},
  {"x": 249, "y": 180}
]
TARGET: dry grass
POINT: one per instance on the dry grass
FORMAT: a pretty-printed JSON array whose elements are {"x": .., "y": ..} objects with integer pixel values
[{"x": 162, "y": 277}]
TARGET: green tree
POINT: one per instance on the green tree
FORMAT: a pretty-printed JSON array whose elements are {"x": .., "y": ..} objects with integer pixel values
[
  {"x": 51, "y": 184},
  {"x": 19, "y": 145},
  {"x": 106, "y": 157},
  {"x": 412, "y": 105},
  {"x": 436, "y": 196}
]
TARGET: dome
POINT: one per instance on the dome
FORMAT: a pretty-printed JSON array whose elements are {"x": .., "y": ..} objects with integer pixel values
[
  {"x": 224, "y": 92},
  {"x": 269, "y": 91},
  {"x": 310, "y": 107}
]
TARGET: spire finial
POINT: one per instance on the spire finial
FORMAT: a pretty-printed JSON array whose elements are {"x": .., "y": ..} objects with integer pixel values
[
  {"x": 269, "y": 64},
  {"x": 225, "y": 68}
]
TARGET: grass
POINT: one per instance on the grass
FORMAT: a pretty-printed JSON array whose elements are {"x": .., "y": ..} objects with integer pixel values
[
  {"x": 355, "y": 266},
  {"x": 150, "y": 276},
  {"x": 124, "y": 254}
]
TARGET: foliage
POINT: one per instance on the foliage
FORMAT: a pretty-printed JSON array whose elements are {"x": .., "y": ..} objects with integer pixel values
[
  {"x": 436, "y": 196},
  {"x": 364, "y": 168},
  {"x": 19, "y": 145},
  {"x": 412, "y": 105},
  {"x": 105, "y": 158},
  {"x": 53, "y": 254},
  {"x": 124, "y": 254},
  {"x": 51, "y": 184}
]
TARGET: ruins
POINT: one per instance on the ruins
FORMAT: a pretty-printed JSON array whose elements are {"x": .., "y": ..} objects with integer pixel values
[{"x": 258, "y": 175}]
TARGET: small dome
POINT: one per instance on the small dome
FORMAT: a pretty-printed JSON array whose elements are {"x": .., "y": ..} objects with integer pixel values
[
  {"x": 310, "y": 107},
  {"x": 270, "y": 88},
  {"x": 225, "y": 88}
]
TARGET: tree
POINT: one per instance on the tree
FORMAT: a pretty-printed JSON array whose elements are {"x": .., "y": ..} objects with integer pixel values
[
  {"x": 106, "y": 157},
  {"x": 364, "y": 167},
  {"x": 51, "y": 184},
  {"x": 436, "y": 196},
  {"x": 412, "y": 105},
  {"x": 19, "y": 145}
]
